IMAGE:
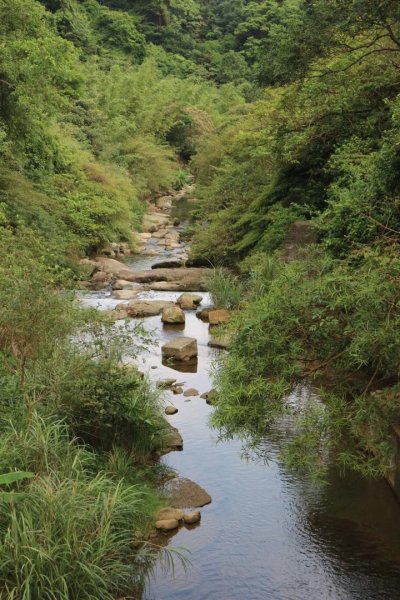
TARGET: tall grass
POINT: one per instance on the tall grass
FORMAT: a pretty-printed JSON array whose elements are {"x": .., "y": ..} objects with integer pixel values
[
  {"x": 226, "y": 289},
  {"x": 72, "y": 535}
]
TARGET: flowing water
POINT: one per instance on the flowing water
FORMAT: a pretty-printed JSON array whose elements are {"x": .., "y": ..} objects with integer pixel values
[{"x": 267, "y": 535}]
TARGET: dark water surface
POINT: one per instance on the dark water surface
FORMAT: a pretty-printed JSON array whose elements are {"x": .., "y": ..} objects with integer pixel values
[{"x": 267, "y": 535}]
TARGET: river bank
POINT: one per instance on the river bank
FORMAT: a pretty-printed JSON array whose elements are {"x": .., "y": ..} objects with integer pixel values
[{"x": 267, "y": 533}]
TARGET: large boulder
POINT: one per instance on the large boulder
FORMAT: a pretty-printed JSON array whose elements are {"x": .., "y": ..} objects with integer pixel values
[
  {"x": 172, "y": 315},
  {"x": 180, "y": 349},
  {"x": 152, "y": 221},
  {"x": 189, "y": 301},
  {"x": 113, "y": 267},
  {"x": 184, "y": 493},
  {"x": 138, "y": 309},
  {"x": 195, "y": 279}
]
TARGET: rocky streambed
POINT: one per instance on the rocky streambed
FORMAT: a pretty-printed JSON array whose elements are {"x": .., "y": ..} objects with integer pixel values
[{"x": 258, "y": 531}]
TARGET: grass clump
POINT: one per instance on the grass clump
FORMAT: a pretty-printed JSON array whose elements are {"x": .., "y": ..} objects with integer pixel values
[
  {"x": 226, "y": 289},
  {"x": 71, "y": 536}
]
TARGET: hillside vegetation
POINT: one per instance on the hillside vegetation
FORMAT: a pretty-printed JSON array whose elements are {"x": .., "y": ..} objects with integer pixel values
[
  {"x": 320, "y": 143},
  {"x": 285, "y": 111}
]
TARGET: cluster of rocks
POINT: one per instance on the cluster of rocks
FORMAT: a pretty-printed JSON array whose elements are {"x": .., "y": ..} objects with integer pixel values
[{"x": 169, "y": 519}]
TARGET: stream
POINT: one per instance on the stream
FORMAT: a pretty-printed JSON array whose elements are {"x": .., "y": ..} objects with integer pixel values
[{"x": 267, "y": 535}]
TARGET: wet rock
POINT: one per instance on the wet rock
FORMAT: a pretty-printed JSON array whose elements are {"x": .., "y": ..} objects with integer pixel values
[
  {"x": 170, "y": 410},
  {"x": 125, "y": 294},
  {"x": 172, "y": 441},
  {"x": 150, "y": 252},
  {"x": 168, "y": 264},
  {"x": 184, "y": 493},
  {"x": 146, "y": 308},
  {"x": 203, "y": 314},
  {"x": 189, "y": 301},
  {"x": 173, "y": 314},
  {"x": 176, "y": 222},
  {"x": 180, "y": 349},
  {"x": 192, "y": 517},
  {"x": 177, "y": 390},
  {"x": 216, "y": 317},
  {"x": 167, "y": 524},
  {"x": 169, "y": 513},
  {"x": 123, "y": 284},
  {"x": 190, "y": 393}
]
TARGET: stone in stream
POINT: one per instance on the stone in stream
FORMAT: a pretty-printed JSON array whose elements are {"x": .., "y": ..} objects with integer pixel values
[
  {"x": 170, "y": 410},
  {"x": 123, "y": 284},
  {"x": 195, "y": 279},
  {"x": 169, "y": 513},
  {"x": 192, "y": 517},
  {"x": 125, "y": 294},
  {"x": 189, "y": 301},
  {"x": 177, "y": 390},
  {"x": 167, "y": 525},
  {"x": 172, "y": 315},
  {"x": 145, "y": 308},
  {"x": 190, "y": 393},
  {"x": 184, "y": 493},
  {"x": 203, "y": 314},
  {"x": 172, "y": 440},
  {"x": 216, "y": 317},
  {"x": 180, "y": 349}
]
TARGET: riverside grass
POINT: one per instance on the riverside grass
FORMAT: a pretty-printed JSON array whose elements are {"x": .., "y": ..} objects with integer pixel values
[{"x": 72, "y": 534}]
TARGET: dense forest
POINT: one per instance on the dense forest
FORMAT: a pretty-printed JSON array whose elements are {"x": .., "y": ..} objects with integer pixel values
[{"x": 287, "y": 114}]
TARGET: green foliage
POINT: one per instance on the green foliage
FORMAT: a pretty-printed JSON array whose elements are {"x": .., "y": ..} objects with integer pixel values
[
  {"x": 333, "y": 326},
  {"x": 226, "y": 290},
  {"x": 71, "y": 535}
]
